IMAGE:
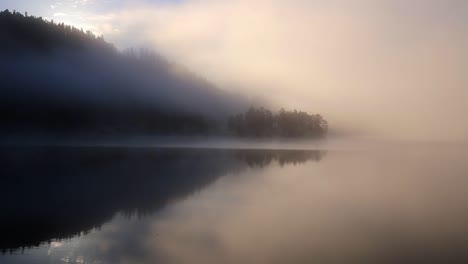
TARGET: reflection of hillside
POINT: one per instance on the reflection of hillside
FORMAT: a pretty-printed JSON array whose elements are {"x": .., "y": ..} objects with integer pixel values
[{"x": 56, "y": 193}]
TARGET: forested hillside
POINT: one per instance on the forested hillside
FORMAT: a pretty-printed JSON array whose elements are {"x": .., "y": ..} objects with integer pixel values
[{"x": 58, "y": 79}]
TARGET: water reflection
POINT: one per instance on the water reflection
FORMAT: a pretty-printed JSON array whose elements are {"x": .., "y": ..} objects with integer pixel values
[
  {"x": 226, "y": 206},
  {"x": 53, "y": 193}
]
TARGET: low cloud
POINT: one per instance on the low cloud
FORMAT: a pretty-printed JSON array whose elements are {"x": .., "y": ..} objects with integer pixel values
[{"x": 393, "y": 68}]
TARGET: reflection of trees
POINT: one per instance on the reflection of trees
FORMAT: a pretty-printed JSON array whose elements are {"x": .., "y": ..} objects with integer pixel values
[
  {"x": 57, "y": 193},
  {"x": 262, "y": 158}
]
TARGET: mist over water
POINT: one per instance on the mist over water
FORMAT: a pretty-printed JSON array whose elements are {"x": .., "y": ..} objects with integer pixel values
[{"x": 109, "y": 155}]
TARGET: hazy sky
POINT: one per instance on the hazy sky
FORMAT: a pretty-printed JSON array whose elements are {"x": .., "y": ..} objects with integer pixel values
[{"x": 393, "y": 67}]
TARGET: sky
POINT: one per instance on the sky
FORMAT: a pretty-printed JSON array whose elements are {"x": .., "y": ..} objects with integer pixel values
[{"x": 394, "y": 68}]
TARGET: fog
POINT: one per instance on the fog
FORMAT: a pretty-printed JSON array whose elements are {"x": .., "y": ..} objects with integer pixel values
[{"x": 384, "y": 68}]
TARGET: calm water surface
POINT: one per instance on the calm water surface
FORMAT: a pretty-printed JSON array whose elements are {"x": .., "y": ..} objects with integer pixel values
[{"x": 163, "y": 205}]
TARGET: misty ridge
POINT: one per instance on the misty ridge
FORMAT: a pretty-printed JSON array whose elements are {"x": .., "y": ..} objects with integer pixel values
[{"x": 60, "y": 80}]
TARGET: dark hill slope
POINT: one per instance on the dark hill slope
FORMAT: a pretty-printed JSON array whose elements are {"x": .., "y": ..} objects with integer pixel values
[{"x": 56, "y": 78}]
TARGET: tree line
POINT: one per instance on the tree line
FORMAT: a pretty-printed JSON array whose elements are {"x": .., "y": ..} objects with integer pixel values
[
  {"x": 261, "y": 122},
  {"x": 23, "y": 31}
]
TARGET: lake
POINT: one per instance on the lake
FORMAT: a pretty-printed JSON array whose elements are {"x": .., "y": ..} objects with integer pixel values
[{"x": 211, "y": 205}]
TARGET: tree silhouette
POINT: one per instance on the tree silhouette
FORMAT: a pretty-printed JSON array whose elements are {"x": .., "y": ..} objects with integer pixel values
[{"x": 290, "y": 124}]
